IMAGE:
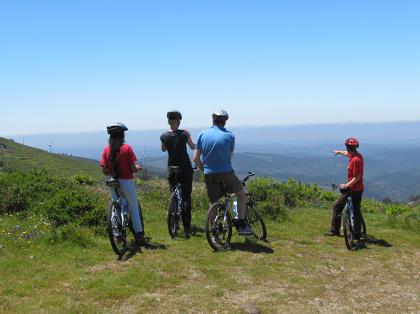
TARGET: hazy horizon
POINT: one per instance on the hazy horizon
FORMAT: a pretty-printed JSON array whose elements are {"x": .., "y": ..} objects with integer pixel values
[{"x": 236, "y": 127}]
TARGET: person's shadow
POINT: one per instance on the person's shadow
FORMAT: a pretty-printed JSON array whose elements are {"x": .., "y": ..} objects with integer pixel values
[
  {"x": 133, "y": 250},
  {"x": 252, "y": 247},
  {"x": 368, "y": 239}
]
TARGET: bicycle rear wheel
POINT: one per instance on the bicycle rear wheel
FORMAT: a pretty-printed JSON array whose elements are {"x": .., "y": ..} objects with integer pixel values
[
  {"x": 347, "y": 230},
  {"x": 254, "y": 219},
  {"x": 173, "y": 218},
  {"x": 218, "y": 227},
  {"x": 117, "y": 234}
]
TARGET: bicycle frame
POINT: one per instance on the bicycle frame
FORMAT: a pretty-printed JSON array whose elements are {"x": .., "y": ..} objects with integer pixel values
[{"x": 227, "y": 205}]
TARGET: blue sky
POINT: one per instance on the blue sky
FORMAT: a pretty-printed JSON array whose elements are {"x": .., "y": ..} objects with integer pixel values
[{"x": 72, "y": 66}]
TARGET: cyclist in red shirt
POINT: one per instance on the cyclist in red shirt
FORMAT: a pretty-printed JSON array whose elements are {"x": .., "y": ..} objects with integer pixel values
[
  {"x": 119, "y": 161},
  {"x": 354, "y": 188}
]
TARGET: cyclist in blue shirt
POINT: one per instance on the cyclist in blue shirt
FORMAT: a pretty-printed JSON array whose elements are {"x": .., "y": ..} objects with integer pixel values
[{"x": 213, "y": 154}]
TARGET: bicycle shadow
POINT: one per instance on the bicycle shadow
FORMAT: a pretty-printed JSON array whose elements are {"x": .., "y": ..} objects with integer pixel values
[
  {"x": 197, "y": 231},
  {"x": 369, "y": 239},
  {"x": 133, "y": 249},
  {"x": 252, "y": 247}
]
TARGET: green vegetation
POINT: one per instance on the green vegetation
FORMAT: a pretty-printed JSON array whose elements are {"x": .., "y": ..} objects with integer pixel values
[
  {"x": 17, "y": 157},
  {"x": 55, "y": 256},
  {"x": 60, "y": 200}
]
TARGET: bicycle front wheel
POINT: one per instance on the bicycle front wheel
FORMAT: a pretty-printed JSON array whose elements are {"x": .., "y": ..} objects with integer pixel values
[
  {"x": 347, "y": 230},
  {"x": 256, "y": 222},
  {"x": 116, "y": 232},
  {"x": 173, "y": 219},
  {"x": 218, "y": 227}
]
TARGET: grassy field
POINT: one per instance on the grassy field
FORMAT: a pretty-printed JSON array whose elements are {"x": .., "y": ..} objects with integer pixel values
[
  {"x": 297, "y": 270},
  {"x": 25, "y": 158}
]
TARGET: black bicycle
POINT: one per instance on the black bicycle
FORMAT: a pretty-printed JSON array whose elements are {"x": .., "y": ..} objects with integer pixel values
[
  {"x": 118, "y": 220},
  {"x": 176, "y": 206},
  {"x": 349, "y": 222},
  {"x": 220, "y": 219}
]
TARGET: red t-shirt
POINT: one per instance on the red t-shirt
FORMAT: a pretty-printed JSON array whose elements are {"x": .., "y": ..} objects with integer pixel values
[
  {"x": 356, "y": 168},
  {"x": 126, "y": 158}
]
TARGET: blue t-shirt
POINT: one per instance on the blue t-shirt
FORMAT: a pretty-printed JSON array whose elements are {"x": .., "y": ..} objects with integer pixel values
[{"x": 216, "y": 145}]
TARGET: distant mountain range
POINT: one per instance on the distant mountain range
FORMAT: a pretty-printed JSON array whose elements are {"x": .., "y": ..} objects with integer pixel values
[
  {"x": 303, "y": 152},
  {"x": 312, "y": 139},
  {"x": 397, "y": 178}
]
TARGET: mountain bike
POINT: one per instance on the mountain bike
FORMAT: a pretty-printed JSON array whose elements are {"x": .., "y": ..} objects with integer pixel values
[
  {"x": 118, "y": 220},
  {"x": 176, "y": 206},
  {"x": 221, "y": 218},
  {"x": 348, "y": 222}
]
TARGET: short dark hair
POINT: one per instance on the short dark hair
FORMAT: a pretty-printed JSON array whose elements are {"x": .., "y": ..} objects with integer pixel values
[{"x": 174, "y": 115}]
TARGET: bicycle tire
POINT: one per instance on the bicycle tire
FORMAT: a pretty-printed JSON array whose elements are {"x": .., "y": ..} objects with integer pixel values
[
  {"x": 218, "y": 227},
  {"x": 347, "y": 230},
  {"x": 173, "y": 219},
  {"x": 118, "y": 244},
  {"x": 256, "y": 222}
]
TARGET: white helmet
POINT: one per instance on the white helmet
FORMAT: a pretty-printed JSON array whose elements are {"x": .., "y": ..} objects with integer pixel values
[
  {"x": 116, "y": 128},
  {"x": 221, "y": 114}
]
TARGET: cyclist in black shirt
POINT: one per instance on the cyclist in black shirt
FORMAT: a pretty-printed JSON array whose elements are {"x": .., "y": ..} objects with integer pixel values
[{"x": 175, "y": 143}]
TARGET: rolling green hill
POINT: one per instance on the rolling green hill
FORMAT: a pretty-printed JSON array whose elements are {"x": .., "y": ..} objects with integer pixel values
[{"x": 18, "y": 157}]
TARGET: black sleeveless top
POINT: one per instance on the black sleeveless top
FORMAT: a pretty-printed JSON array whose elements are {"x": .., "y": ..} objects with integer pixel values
[{"x": 176, "y": 144}]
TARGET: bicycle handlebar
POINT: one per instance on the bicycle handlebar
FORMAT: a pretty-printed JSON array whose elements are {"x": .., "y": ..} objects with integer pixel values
[
  {"x": 337, "y": 186},
  {"x": 246, "y": 178}
]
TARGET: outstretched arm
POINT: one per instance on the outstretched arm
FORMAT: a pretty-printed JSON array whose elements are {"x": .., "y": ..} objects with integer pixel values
[{"x": 341, "y": 152}]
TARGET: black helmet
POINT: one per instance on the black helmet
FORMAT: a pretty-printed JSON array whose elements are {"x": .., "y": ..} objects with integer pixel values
[
  {"x": 116, "y": 128},
  {"x": 174, "y": 115}
]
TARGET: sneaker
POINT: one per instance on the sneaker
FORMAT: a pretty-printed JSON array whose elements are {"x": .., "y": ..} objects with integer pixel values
[
  {"x": 245, "y": 230},
  {"x": 332, "y": 234}
]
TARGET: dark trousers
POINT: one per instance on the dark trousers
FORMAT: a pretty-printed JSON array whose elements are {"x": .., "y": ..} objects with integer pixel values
[
  {"x": 185, "y": 177},
  {"x": 338, "y": 209}
]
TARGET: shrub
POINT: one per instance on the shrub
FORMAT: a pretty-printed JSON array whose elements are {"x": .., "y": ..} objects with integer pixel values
[
  {"x": 13, "y": 199},
  {"x": 61, "y": 200},
  {"x": 411, "y": 219},
  {"x": 275, "y": 197},
  {"x": 83, "y": 179},
  {"x": 73, "y": 205}
]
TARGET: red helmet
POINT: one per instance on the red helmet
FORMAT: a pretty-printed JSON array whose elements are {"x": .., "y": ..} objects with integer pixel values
[{"x": 352, "y": 142}]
